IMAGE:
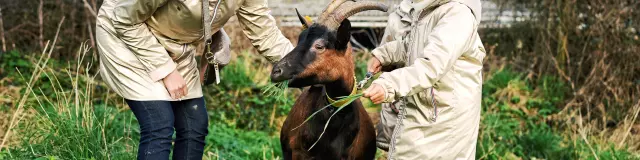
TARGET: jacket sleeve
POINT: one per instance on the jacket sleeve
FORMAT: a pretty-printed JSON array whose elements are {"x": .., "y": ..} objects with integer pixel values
[
  {"x": 451, "y": 36},
  {"x": 391, "y": 50},
  {"x": 129, "y": 23},
  {"x": 390, "y": 53},
  {"x": 260, "y": 27}
]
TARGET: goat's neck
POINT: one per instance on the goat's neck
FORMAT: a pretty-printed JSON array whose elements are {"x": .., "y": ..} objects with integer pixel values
[{"x": 341, "y": 87}]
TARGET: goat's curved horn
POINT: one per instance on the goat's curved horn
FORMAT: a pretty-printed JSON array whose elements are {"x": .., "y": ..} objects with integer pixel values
[
  {"x": 350, "y": 8},
  {"x": 304, "y": 21},
  {"x": 330, "y": 8}
]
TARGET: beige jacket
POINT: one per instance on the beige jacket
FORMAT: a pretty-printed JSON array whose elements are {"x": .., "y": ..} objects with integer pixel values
[
  {"x": 142, "y": 41},
  {"x": 436, "y": 45}
]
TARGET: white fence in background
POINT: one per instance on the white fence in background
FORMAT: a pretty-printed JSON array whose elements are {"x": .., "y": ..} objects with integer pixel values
[{"x": 284, "y": 10}]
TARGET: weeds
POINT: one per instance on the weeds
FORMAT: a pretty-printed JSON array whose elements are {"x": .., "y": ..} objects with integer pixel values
[
  {"x": 517, "y": 123},
  {"x": 71, "y": 118},
  {"x": 65, "y": 123},
  {"x": 227, "y": 142},
  {"x": 242, "y": 94}
]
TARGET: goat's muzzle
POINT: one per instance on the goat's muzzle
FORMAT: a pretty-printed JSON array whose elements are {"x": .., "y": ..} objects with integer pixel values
[{"x": 280, "y": 73}]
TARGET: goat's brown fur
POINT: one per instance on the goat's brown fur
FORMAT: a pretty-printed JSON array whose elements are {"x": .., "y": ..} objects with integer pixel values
[
  {"x": 336, "y": 66},
  {"x": 331, "y": 65}
]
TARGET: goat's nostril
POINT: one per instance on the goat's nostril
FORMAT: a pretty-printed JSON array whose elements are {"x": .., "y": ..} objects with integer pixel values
[
  {"x": 277, "y": 71},
  {"x": 276, "y": 74}
]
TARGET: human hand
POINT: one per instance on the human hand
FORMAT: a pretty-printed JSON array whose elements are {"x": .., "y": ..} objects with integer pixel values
[
  {"x": 175, "y": 84},
  {"x": 374, "y": 65},
  {"x": 375, "y": 92}
]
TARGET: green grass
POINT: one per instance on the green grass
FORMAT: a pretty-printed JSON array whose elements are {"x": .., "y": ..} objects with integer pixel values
[
  {"x": 103, "y": 133},
  {"x": 228, "y": 142}
]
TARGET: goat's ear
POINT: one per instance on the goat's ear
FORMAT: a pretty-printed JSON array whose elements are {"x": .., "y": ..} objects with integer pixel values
[
  {"x": 343, "y": 35},
  {"x": 303, "y": 20}
]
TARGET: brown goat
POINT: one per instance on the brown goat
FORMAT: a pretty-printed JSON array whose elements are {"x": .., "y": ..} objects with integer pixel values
[{"x": 323, "y": 61}]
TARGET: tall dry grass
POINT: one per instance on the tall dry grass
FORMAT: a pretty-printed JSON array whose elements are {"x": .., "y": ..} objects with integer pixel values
[
  {"x": 593, "y": 46},
  {"x": 68, "y": 122}
]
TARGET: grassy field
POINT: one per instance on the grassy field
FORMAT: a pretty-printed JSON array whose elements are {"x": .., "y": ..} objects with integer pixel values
[
  {"x": 60, "y": 110},
  {"x": 561, "y": 85}
]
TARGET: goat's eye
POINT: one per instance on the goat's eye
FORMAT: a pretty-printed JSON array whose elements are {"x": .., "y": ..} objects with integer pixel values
[{"x": 319, "y": 47}]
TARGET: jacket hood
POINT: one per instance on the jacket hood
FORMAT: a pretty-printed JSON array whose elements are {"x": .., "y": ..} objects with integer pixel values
[{"x": 474, "y": 5}]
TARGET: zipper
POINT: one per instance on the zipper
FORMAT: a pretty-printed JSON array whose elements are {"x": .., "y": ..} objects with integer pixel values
[
  {"x": 215, "y": 12},
  {"x": 415, "y": 37}
]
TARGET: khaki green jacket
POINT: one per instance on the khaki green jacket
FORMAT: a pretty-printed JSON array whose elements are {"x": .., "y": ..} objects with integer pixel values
[
  {"x": 142, "y": 41},
  {"x": 436, "y": 45}
]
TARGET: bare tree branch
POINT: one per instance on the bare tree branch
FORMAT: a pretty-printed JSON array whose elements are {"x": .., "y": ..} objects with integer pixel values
[
  {"x": 93, "y": 41},
  {"x": 41, "y": 24},
  {"x": 86, "y": 5},
  {"x": 4, "y": 42}
]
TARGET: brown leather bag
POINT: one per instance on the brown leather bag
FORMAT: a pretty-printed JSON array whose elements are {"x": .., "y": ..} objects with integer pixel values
[
  {"x": 216, "y": 55},
  {"x": 217, "y": 52}
]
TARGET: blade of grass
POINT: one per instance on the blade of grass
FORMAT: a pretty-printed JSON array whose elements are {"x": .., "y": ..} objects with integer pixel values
[
  {"x": 312, "y": 115},
  {"x": 344, "y": 98}
]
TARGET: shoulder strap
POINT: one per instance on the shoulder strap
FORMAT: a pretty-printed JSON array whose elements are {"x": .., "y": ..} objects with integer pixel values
[{"x": 205, "y": 21}]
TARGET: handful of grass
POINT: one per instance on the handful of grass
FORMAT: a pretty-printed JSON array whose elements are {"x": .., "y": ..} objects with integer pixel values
[{"x": 276, "y": 89}]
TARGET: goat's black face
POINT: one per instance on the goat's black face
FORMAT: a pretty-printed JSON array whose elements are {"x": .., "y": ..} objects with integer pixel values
[{"x": 319, "y": 57}]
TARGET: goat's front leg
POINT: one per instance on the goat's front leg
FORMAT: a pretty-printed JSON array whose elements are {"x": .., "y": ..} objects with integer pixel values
[{"x": 287, "y": 154}]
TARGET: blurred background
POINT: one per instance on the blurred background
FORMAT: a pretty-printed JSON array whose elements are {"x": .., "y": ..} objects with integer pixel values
[{"x": 561, "y": 81}]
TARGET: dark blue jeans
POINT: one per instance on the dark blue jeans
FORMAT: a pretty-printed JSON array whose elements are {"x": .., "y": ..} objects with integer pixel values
[{"x": 157, "y": 121}]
